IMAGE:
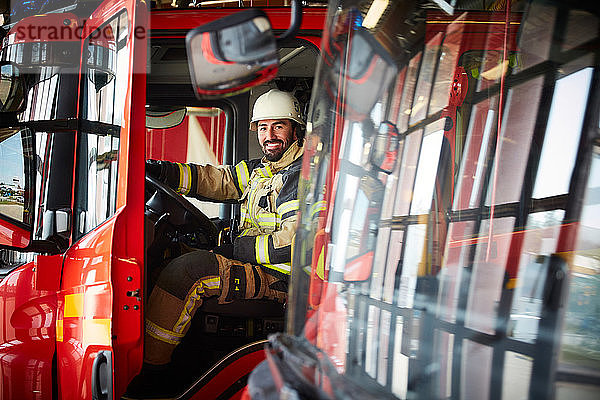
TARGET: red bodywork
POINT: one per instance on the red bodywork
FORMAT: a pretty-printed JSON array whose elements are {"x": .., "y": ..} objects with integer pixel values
[
  {"x": 178, "y": 20},
  {"x": 13, "y": 235},
  {"x": 27, "y": 336},
  {"x": 60, "y": 311}
]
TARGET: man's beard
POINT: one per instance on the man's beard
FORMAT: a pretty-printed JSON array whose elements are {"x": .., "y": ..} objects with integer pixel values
[{"x": 274, "y": 154}]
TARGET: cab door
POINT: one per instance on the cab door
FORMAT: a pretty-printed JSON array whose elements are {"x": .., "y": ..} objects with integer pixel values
[{"x": 100, "y": 309}]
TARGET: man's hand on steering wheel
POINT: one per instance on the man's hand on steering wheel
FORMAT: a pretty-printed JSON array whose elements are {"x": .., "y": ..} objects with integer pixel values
[
  {"x": 163, "y": 200},
  {"x": 164, "y": 171}
]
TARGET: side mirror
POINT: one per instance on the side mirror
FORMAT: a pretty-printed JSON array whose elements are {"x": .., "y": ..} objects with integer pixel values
[
  {"x": 235, "y": 53},
  {"x": 370, "y": 71},
  {"x": 384, "y": 149},
  {"x": 56, "y": 226},
  {"x": 102, "y": 50},
  {"x": 12, "y": 88},
  {"x": 232, "y": 54}
]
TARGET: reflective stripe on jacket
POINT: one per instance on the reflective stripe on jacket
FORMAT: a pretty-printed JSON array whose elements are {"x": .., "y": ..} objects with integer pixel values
[{"x": 268, "y": 194}]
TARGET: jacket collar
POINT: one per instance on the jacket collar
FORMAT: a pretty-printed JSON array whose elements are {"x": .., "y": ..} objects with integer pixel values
[{"x": 293, "y": 153}]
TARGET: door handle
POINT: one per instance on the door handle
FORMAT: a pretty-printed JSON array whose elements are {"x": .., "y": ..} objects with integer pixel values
[{"x": 102, "y": 384}]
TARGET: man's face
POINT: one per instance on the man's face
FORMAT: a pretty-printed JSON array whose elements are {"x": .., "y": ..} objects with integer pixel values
[{"x": 275, "y": 136}]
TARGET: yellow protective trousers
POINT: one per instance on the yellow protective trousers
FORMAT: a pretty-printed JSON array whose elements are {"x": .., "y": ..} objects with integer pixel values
[{"x": 183, "y": 284}]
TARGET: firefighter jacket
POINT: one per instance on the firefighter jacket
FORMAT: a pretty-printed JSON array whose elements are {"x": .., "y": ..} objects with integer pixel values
[{"x": 268, "y": 195}]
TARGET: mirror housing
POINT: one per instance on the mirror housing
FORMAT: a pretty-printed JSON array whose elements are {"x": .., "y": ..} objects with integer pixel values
[
  {"x": 12, "y": 88},
  {"x": 102, "y": 51},
  {"x": 232, "y": 54},
  {"x": 384, "y": 149},
  {"x": 367, "y": 75}
]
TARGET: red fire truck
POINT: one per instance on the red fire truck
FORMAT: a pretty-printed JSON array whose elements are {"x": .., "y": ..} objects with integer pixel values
[
  {"x": 89, "y": 90},
  {"x": 447, "y": 244}
]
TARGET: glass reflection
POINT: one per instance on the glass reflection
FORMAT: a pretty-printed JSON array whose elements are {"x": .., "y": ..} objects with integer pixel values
[
  {"x": 562, "y": 134},
  {"x": 104, "y": 94},
  {"x": 12, "y": 176},
  {"x": 580, "y": 342}
]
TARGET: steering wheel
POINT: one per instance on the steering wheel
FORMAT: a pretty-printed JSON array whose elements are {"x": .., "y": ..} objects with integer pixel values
[{"x": 180, "y": 213}]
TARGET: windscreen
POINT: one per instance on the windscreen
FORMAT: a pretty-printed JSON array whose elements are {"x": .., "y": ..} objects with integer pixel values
[{"x": 448, "y": 244}]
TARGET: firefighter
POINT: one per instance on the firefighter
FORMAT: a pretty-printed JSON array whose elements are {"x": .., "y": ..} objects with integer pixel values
[{"x": 260, "y": 264}]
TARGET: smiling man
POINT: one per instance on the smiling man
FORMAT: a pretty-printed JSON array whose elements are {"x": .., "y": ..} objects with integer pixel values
[
  {"x": 258, "y": 267},
  {"x": 275, "y": 136}
]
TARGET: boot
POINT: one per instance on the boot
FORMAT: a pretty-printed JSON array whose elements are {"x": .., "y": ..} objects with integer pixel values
[{"x": 154, "y": 382}]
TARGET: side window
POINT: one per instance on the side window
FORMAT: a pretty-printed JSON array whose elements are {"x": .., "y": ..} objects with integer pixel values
[
  {"x": 16, "y": 203},
  {"x": 198, "y": 139},
  {"x": 16, "y": 152},
  {"x": 97, "y": 181},
  {"x": 54, "y": 182},
  {"x": 104, "y": 91}
]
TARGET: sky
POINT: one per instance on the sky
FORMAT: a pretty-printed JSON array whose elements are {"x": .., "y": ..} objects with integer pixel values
[{"x": 11, "y": 159}]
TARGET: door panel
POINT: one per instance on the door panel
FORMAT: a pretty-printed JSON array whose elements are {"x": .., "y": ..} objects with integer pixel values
[
  {"x": 84, "y": 315},
  {"x": 99, "y": 303}
]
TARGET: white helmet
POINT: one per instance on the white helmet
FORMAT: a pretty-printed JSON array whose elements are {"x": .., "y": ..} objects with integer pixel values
[{"x": 276, "y": 104}]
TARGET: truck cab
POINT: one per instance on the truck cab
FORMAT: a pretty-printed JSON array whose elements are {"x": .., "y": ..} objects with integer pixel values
[
  {"x": 89, "y": 90},
  {"x": 447, "y": 243}
]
